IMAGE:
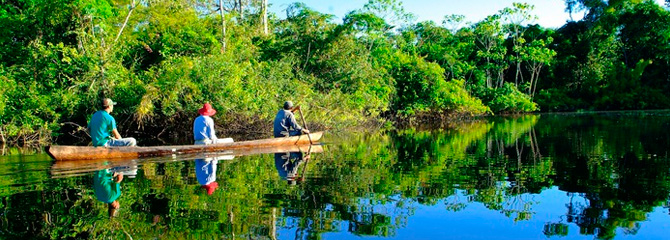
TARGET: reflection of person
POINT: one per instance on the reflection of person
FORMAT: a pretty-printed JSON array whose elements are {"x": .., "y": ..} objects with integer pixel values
[
  {"x": 102, "y": 127},
  {"x": 285, "y": 124},
  {"x": 287, "y": 165},
  {"x": 203, "y": 127},
  {"x": 107, "y": 189},
  {"x": 205, "y": 172}
]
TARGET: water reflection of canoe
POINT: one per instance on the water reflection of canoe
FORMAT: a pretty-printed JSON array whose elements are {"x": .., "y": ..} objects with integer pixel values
[
  {"x": 60, "y": 169},
  {"x": 61, "y": 153}
]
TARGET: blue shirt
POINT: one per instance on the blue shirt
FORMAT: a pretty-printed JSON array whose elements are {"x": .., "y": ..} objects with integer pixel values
[
  {"x": 285, "y": 124},
  {"x": 287, "y": 164},
  {"x": 203, "y": 128},
  {"x": 101, "y": 126},
  {"x": 105, "y": 188},
  {"x": 205, "y": 171}
]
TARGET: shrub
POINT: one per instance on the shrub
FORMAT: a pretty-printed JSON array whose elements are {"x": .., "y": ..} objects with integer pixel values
[{"x": 506, "y": 99}]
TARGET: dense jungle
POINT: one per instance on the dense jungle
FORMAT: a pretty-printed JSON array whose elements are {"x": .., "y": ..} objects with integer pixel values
[{"x": 376, "y": 67}]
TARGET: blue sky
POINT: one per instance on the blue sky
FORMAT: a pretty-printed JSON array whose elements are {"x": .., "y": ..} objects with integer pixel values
[{"x": 551, "y": 13}]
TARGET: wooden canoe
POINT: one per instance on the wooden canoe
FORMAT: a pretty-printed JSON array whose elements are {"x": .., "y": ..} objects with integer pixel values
[
  {"x": 60, "y": 169},
  {"x": 67, "y": 153}
]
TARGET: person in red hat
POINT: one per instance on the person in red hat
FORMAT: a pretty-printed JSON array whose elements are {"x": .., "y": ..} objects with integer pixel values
[{"x": 203, "y": 127}]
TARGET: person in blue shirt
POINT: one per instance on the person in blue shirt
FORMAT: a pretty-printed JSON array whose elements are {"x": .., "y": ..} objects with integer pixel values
[
  {"x": 107, "y": 189},
  {"x": 285, "y": 124},
  {"x": 203, "y": 127},
  {"x": 102, "y": 128}
]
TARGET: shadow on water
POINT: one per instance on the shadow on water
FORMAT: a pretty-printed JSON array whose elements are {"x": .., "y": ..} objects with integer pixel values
[{"x": 598, "y": 174}]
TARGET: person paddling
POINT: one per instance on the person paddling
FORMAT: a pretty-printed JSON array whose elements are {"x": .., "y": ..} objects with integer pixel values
[
  {"x": 102, "y": 127},
  {"x": 285, "y": 124},
  {"x": 203, "y": 127}
]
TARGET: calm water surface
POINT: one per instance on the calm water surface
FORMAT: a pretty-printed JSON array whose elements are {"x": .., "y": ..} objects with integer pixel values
[{"x": 559, "y": 176}]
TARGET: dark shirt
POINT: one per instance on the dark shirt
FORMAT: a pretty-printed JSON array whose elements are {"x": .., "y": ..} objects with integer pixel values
[
  {"x": 285, "y": 124},
  {"x": 287, "y": 164}
]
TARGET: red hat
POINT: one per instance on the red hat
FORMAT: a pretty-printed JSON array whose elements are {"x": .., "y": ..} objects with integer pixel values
[
  {"x": 207, "y": 110},
  {"x": 211, "y": 187}
]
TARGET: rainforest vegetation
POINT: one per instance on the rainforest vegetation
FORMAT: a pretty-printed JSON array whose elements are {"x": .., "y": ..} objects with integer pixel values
[{"x": 162, "y": 59}]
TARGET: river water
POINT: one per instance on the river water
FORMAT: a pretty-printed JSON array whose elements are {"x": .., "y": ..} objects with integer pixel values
[{"x": 561, "y": 176}]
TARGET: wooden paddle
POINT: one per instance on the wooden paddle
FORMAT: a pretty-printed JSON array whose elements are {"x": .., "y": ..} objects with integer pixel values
[
  {"x": 304, "y": 124},
  {"x": 308, "y": 156}
]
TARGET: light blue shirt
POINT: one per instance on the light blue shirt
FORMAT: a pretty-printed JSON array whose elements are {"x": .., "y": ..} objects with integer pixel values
[
  {"x": 203, "y": 128},
  {"x": 205, "y": 171}
]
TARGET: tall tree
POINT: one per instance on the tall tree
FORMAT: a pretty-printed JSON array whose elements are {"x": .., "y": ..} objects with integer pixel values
[
  {"x": 536, "y": 55},
  {"x": 514, "y": 19},
  {"x": 491, "y": 51},
  {"x": 391, "y": 11},
  {"x": 592, "y": 8},
  {"x": 453, "y": 22}
]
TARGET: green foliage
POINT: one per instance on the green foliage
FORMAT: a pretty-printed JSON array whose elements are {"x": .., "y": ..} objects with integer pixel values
[
  {"x": 507, "y": 99},
  {"x": 596, "y": 56},
  {"x": 25, "y": 21},
  {"x": 8, "y": 82},
  {"x": 452, "y": 96},
  {"x": 557, "y": 100},
  {"x": 441, "y": 46},
  {"x": 421, "y": 88},
  {"x": 162, "y": 59},
  {"x": 625, "y": 92}
]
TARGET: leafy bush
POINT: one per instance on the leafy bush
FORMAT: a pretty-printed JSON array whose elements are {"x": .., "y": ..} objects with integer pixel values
[
  {"x": 452, "y": 96},
  {"x": 420, "y": 88},
  {"x": 506, "y": 99}
]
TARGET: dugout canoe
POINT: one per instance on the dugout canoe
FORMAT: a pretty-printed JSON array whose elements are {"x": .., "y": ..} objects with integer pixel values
[
  {"x": 69, "y": 153},
  {"x": 61, "y": 169}
]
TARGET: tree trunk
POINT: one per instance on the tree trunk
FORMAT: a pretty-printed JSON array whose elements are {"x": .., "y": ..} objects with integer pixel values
[
  {"x": 2, "y": 138},
  {"x": 309, "y": 48},
  {"x": 535, "y": 69},
  {"x": 518, "y": 73},
  {"x": 223, "y": 27},
  {"x": 265, "y": 17},
  {"x": 241, "y": 8},
  {"x": 537, "y": 77}
]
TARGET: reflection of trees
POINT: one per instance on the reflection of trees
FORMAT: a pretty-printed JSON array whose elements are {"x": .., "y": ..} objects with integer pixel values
[
  {"x": 614, "y": 163},
  {"x": 354, "y": 179},
  {"x": 370, "y": 185},
  {"x": 489, "y": 162}
]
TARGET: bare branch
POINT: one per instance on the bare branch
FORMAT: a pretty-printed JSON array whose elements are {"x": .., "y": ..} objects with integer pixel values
[{"x": 132, "y": 7}]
